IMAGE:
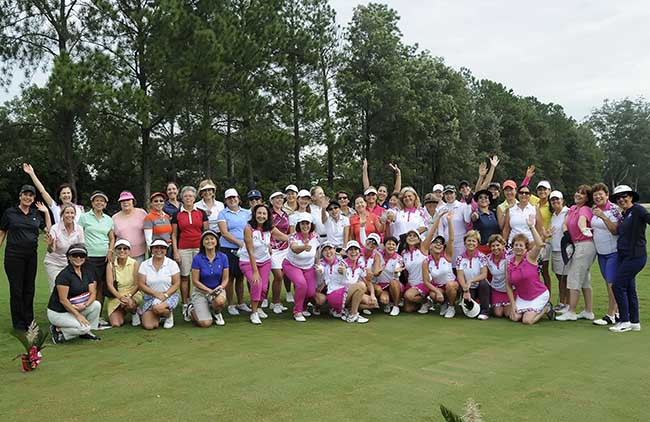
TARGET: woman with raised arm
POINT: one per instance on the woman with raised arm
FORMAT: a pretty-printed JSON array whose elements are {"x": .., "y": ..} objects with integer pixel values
[
  {"x": 72, "y": 309},
  {"x": 462, "y": 217},
  {"x": 20, "y": 225},
  {"x": 517, "y": 216},
  {"x": 255, "y": 257},
  {"x": 604, "y": 222},
  {"x": 472, "y": 271},
  {"x": 632, "y": 256},
  {"x": 415, "y": 253},
  {"x": 532, "y": 295},
  {"x": 382, "y": 194},
  {"x": 122, "y": 283},
  {"x": 438, "y": 271},
  {"x": 559, "y": 267},
  {"x": 59, "y": 238},
  {"x": 484, "y": 219},
  {"x": 158, "y": 279},
  {"x": 65, "y": 195},
  {"x": 337, "y": 226}
]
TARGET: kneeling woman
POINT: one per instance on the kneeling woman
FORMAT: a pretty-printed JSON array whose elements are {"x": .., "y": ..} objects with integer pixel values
[
  {"x": 210, "y": 278},
  {"x": 496, "y": 263},
  {"x": 438, "y": 273},
  {"x": 121, "y": 277},
  {"x": 387, "y": 285},
  {"x": 255, "y": 257},
  {"x": 471, "y": 268},
  {"x": 344, "y": 280},
  {"x": 415, "y": 254},
  {"x": 532, "y": 295},
  {"x": 159, "y": 279},
  {"x": 73, "y": 310},
  {"x": 300, "y": 262}
]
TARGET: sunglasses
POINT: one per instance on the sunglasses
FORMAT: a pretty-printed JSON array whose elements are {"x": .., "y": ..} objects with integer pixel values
[
  {"x": 77, "y": 255},
  {"x": 623, "y": 196},
  {"x": 412, "y": 235},
  {"x": 121, "y": 248},
  {"x": 524, "y": 193},
  {"x": 343, "y": 198},
  {"x": 255, "y": 198},
  {"x": 157, "y": 201},
  {"x": 438, "y": 243}
]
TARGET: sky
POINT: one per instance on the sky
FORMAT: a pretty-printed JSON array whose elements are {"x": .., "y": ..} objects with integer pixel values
[{"x": 573, "y": 53}]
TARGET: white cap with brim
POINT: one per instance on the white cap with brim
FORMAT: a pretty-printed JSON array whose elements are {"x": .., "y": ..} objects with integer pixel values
[
  {"x": 352, "y": 244},
  {"x": 544, "y": 184},
  {"x": 370, "y": 190},
  {"x": 623, "y": 189},
  {"x": 304, "y": 194},
  {"x": 123, "y": 242},
  {"x": 230, "y": 193},
  {"x": 471, "y": 309},
  {"x": 438, "y": 187},
  {"x": 556, "y": 194},
  {"x": 208, "y": 186},
  {"x": 293, "y": 188},
  {"x": 304, "y": 216},
  {"x": 275, "y": 195},
  {"x": 375, "y": 237},
  {"x": 159, "y": 242}
]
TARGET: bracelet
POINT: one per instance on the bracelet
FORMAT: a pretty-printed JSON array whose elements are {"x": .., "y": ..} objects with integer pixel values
[
  {"x": 465, "y": 290},
  {"x": 166, "y": 295}
]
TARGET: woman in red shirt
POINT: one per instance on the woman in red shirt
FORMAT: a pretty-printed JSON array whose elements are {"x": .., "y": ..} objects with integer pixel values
[{"x": 363, "y": 222}]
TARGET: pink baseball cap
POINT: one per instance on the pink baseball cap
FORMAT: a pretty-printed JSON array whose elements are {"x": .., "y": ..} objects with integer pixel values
[
  {"x": 125, "y": 195},
  {"x": 510, "y": 184}
]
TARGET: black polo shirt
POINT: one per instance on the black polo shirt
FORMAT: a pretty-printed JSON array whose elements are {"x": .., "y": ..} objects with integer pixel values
[
  {"x": 67, "y": 277},
  {"x": 487, "y": 225},
  {"x": 22, "y": 230}
]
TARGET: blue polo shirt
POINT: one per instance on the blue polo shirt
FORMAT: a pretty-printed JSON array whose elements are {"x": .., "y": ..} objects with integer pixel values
[
  {"x": 487, "y": 225},
  {"x": 236, "y": 222},
  {"x": 210, "y": 272}
]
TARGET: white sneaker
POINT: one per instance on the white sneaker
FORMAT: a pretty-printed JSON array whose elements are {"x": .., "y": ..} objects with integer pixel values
[
  {"x": 334, "y": 313},
  {"x": 306, "y": 313},
  {"x": 187, "y": 309},
  {"x": 366, "y": 312},
  {"x": 232, "y": 310},
  {"x": 244, "y": 307},
  {"x": 289, "y": 297},
  {"x": 261, "y": 313},
  {"x": 483, "y": 317},
  {"x": 567, "y": 316},
  {"x": 443, "y": 309},
  {"x": 450, "y": 312},
  {"x": 169, "y": 321},
  {"x": 386, "y": 309},
  {"x": 621, "y": 327},
  {"x": 394, "y": 311},
  {"x": 356, "y": 318},
  {"x": 586, "y": 315},
  {"x": 636, "y": 326},
  {"x": 255, "y": 318},
  {"x": 135, "y": 320},
  {"x": 218, "y": 319},
  {"x": 265, "y": 303},
  {"x": 424, "y": 308},
  {"x": 276, "y": 308},
  {"x": 361, "y": 320},
  {"x": 299, "y": 317}
]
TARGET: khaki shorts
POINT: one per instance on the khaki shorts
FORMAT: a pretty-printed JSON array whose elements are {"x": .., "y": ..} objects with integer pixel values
[
  {"x": 558, "y": 264},
  {"x": 187, "y": 255},
  {"x": 579, "y": 268},
  {"x": 202, "y": 307},
  {"x": 545, "y": 254}
]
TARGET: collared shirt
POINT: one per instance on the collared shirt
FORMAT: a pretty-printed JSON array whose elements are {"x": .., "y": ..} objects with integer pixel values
[
  {"x": 557, "y": 220},
  {"x": 572, "y": 218},
  {"x": 131, "y": 228},
  {"x": 62, "y": 241},
  {"x": 631, "y": 231},
  {"x": 462, "y": 217},
  {"x": 160, "y": 226},
  {"x": 210, "y": 272},
  {"x": 377, "y": 210},
  {"x": 280, "y": 222},
  {"x": 390, "y": 264},
  {"x": 22, "y": 230},
  {"x": 212, "y": 213},
  {"x": 497, "y": 269},
  {"x": 407, "y": 219},
  {"x": 96, "y": 233},
  {"x": 159, "y": 280},
  {"x": 487, "y": 225},
  {"x": 441, "y": 271},
  {"x": 519, "y": 220},
  {"x": 349, "y": 213},
  {"x": 604, "y": 240},
  {"x": 77, "y": 286},
  {"x": 56, "y": 212},
  {"x": 261, "y": 247},
  {"x": 413, "y": 260},
  {"x": 335, "y": 229},
  {"x": 471, "y": 266},
  {"x": 171, "y": 209},
  {"x": 305, "y": 259},
  {"x": 190, "y": 227},
  {"x": 236, "y": 222}
]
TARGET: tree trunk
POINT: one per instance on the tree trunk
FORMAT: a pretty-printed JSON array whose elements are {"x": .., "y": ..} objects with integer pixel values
[
  {"x": 146, "y": 162},
  {"x": 329, "y": 135},
  {"x": 230, "y": 166},
  {"x": 295, "y": 86}
]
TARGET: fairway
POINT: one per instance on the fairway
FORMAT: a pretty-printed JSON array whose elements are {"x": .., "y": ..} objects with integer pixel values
[{"x": 390, "y": 369}]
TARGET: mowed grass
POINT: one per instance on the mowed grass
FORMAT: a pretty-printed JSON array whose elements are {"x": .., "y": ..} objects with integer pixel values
[{"x": 389, "y": 369}]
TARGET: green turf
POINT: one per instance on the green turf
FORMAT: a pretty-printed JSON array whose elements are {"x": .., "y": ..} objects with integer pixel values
[{"x": 390, "y": 369}]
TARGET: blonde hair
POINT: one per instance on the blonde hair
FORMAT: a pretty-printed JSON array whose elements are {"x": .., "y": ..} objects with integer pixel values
[
  {"x": 472, "y": 233},
  {"x": 496, "y": 238},
  {"x": 413, "y": 191},
  {"x": 206, "y": 182}
]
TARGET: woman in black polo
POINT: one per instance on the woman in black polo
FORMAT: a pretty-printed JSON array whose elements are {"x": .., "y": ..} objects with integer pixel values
[
  {"x": 73, "y": 310},
  {"x": 20, "y": 225}
]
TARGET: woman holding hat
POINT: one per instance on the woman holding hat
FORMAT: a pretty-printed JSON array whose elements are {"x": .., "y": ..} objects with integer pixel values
[
  {"x": 128, "y": 224},
  {"x": 232, "y": 222},
  {"x": 72, "y": 309},
  {"x": 158, "y": 279},
  {"x": 157, "y": 224},
  {"x": 462, "y": 216},
  {"x": 484, "y": 220},
  {"x": 255, "y": 257},
  {"x": 208, "y": 203},
  {"x": 210, "y": 269},
  {"x": 532, "y": 295},
  {"x": 632, "y": 255},
  {"x": 472, "y": 271},
  {"x": 99, "y": 239},
  {"x": 604, "y": 223},
  {"x": 121, "y": 281},
  {"x": 414, "y": 255},
  {"x": 387, "y": 285},
  {"x": 187, "y": 225},
  {"x": 559, "y": 267},
  {"x": 59, "y": 238},
  {"x": 337, "y": 226},
  {"x": 172, "y": 204},
  {"x": 299, "y": 264},
  {"x": 279, "y": 250},
  {"x": 364, "y": 222},
  {"x": 578, "y": 224},
  {"x": 65, "y": 194},
  {"x": 20, "y": 225}
]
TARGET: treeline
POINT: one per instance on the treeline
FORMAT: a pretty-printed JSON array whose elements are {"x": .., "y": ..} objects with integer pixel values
[{"x": 260, "y": 93}]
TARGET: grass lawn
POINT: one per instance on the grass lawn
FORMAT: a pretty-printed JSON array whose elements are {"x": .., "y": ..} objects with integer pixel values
[{"x": 389, "y": 369}]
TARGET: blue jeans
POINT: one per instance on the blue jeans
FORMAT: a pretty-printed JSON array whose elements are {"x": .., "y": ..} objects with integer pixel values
[{"x": 625, "y": 287}]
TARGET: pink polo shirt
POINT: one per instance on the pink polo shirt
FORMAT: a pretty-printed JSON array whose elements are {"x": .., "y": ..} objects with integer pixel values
[
  {"x": 131, "y": 228},
  {"x": 572, "y": 218}
]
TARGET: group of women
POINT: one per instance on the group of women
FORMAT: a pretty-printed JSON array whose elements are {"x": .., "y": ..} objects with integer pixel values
[{"x": 389, "y": 252}]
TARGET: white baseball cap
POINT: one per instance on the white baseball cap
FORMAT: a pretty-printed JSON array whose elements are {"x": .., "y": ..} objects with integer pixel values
[
  {"x": 293, "y": 188},
  {"x": 275, "y": 194},
  {"x": 556, "y": 194},
  {"x": 471, "y": 309},
  {"x": 352, "y": 244},
  {"x": 375, "y": 237},
  {"x": 304, "y": 193},
  {"x": 370, "y": 190},
  {"x": 544, "y": 184},
  {"x": 159, "y": 242},
  {"x": 230, "y": 192},
  {"x": 437, "y": 187},
  {"x": 124, "y": 242},
  {"x": 304, "y": 216}
]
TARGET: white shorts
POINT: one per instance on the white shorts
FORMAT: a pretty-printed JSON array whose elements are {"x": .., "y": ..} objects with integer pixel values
[
  {"x": 187, "y": 255},
  {"x": 277, "y": 257},
  {"x": 545, "y": 254},
  {"x": 536, "y": 305}
]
